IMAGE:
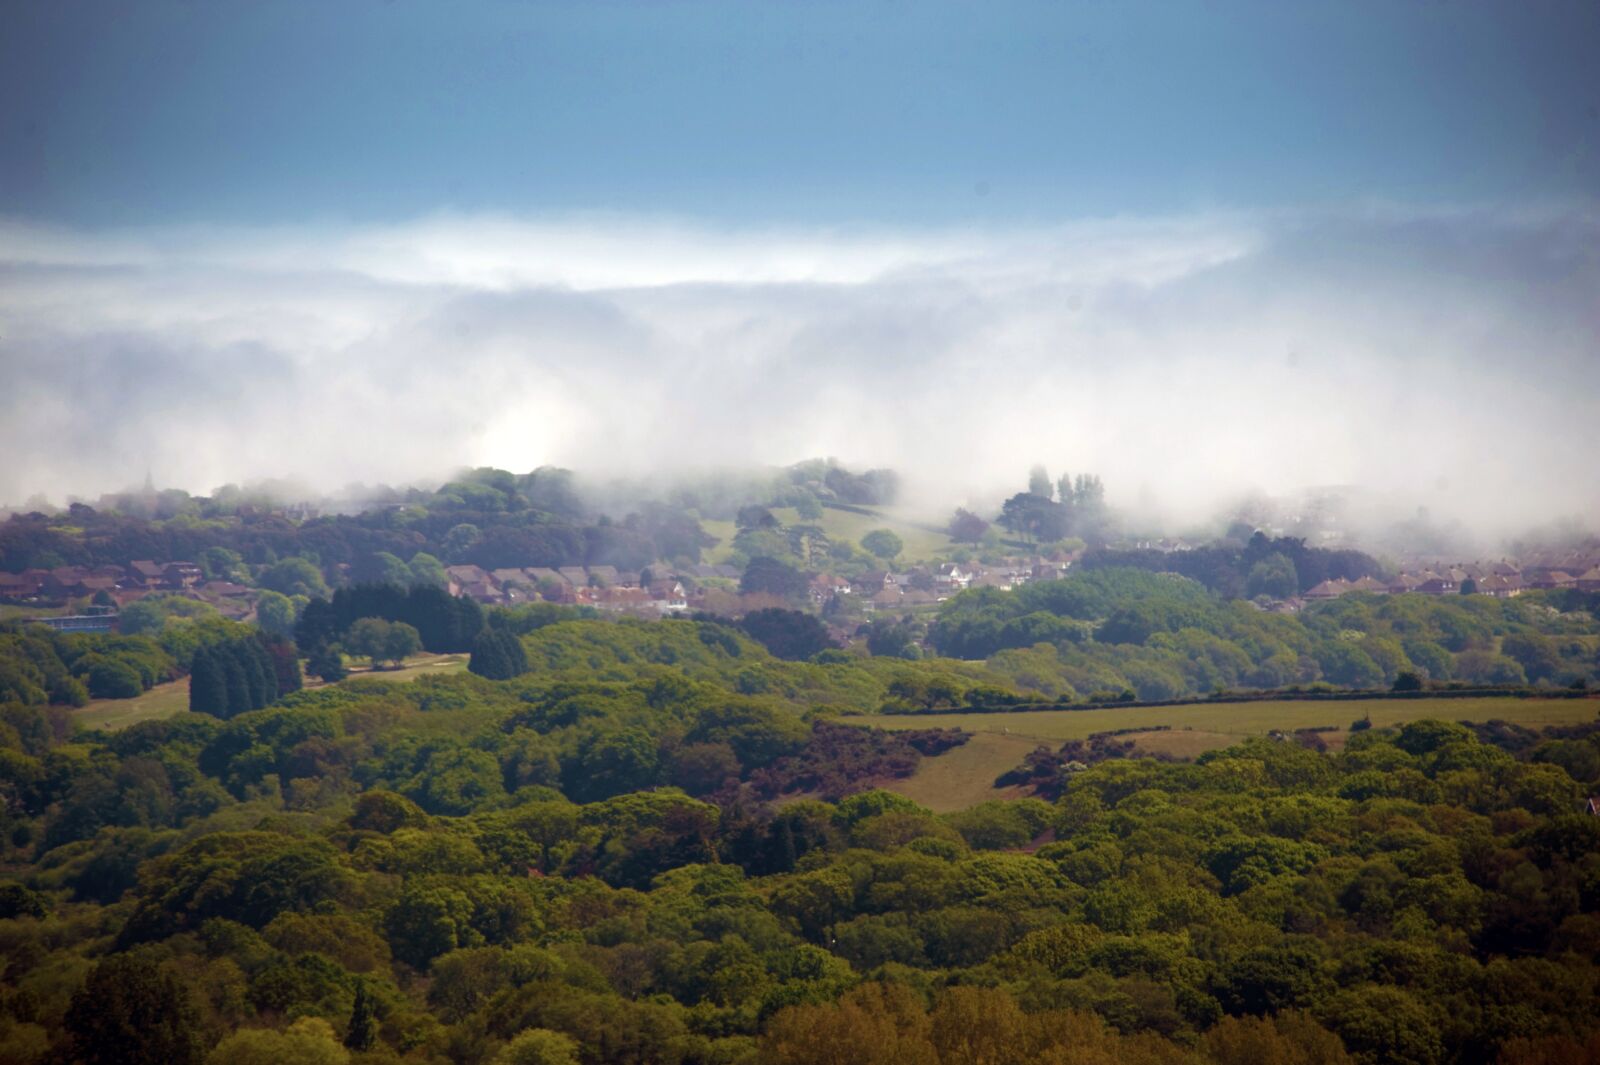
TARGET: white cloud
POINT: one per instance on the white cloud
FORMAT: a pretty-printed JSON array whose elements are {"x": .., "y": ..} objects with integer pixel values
[{"x": 1184, "y": 357}]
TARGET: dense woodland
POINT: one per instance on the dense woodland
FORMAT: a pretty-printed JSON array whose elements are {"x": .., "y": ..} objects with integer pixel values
[
  {"x": 652, "y": 847},
  {"x": 617, "y": 840}
]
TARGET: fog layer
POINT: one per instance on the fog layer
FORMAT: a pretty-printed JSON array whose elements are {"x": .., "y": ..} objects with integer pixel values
[{"x": 1451, "y": 358}]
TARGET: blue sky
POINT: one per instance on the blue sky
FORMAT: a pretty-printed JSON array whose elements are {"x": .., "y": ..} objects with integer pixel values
[{"x": 908, "y": 113}]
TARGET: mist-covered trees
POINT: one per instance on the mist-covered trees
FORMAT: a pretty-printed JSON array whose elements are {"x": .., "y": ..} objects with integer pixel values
[{"x": 966, "y": 527}]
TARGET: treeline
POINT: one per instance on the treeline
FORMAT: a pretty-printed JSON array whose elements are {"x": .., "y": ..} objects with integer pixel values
[
  {"x": 1248, "y": 567},
  {"x": 1104, "y": 631},
  {"x": 487, "y": 517},
  {"x": 233, "y": 676},
  {"x": 39, "y": 666},
  {"x": 444, "y": 623},
  {"x": 583, "y": 864}
]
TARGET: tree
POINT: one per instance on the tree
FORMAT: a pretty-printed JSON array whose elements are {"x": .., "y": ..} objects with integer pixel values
[
  {"x": 308, "y": 1041},
  {"x": 767, "y": 574},
  {"x": 294, "y": 576},
  {"x": 789, "y": 634},
  {"x": 427, "y": 571},
  {"x": 112, "y": 678},
  {"x": 275, "y": 613},
  {"x": 966, "y": 527},
  {"x": 362, "y": 1031},
  {"x": 382, "y": 641},
  {"x": 132, "y": 1012},
  {"x": 208, "y": 685},
  {"x": 497, "y": 654},
  {"x": 883, "y": 543},
  {"x": 1026, "y": 514},
  {"x": 1273, "y": 576},
  {"x": 328, "y": 664},
  {"x": 1039, "y": 483},
  {"x": 538, "y": 1046},
  {"x": 754, "y": 517},
  {"x": 400, "y": 642},
  {"x": 141, "y": 617},
  {"x": 1469, "y": 587}
]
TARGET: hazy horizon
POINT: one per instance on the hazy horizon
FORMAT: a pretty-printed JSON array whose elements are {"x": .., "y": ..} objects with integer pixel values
[{"x": 1201, "y": 251}]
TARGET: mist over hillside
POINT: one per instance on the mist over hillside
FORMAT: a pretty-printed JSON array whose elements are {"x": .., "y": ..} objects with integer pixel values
[{"x": 1190, "y": 360}]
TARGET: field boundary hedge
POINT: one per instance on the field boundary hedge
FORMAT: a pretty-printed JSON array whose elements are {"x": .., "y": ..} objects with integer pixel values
[{"x": 1354, "y": 695}]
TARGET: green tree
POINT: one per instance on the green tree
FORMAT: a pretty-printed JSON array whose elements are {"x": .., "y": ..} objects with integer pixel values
[
  {"x": 400, "y": 642},
  {"x": 275, "y": 614},
  {"x": 132, "y": 1012},
  {"x": 427, "y": 571},
  {"x": 294, "y": 576},
  {"x": 1273, "y": 576},
  {"x": 966, "y": 527},
  {"x": 538, "y": 1046},
  {"x": 362, "y": 1031},
  {"x": 883, "y": 543},
  {"x": 308, "y": 1041}
]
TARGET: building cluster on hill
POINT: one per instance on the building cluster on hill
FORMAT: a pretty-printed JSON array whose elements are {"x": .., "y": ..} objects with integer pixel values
[
  {"x": 665, "y": 590},
  {"x": 1504, "y": 579},
  {"x": 120, "y": 585},
  {"x": 604, "y": 587}
]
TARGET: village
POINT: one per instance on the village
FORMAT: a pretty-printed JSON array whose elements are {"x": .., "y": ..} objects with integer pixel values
[{"x": 92, "y": 596}]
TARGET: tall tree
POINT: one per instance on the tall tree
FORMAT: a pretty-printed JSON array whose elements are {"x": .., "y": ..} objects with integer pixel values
[{"x": 131, "y": 1012}]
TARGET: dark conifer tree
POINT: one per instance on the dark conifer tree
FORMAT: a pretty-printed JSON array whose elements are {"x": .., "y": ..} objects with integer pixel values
[
  {"x": 489, "y": 656},
  {"x": 208, "y": 685},
  {"x": 363, "y": 1029},
  {"x": 234, "y": 676}
]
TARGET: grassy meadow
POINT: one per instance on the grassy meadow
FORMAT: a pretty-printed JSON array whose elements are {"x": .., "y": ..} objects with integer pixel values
[
  {"x": 920, "y": 543},
  {"x": 966, "y": 775},
  {"x": 164, "y": 700}
]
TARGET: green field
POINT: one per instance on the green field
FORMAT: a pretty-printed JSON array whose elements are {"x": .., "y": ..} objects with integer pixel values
[
  {"x": 415, "y": 666},
  {"x": 164, "y": 700},
  {"x": 920, "y": 544},
  {"x": 966, "y": 775}
]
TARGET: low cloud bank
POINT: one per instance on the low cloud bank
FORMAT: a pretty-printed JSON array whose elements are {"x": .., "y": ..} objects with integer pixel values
[{"x": 1447, "y": 359}]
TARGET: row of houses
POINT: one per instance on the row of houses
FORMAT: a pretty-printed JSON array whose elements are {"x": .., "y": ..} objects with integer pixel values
[
  {"x": 922, "y": 585},
  {"x": 76, "y": 582},
  {"x": 1503, "y": 580},
  {"x": 605, "y": 587},
  {"x": 121, "y": 585}
]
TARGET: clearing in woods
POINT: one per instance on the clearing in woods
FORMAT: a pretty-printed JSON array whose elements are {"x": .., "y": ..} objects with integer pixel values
[
  {"x": 921, "y": 544},
  {"x": 164, "y": 700},
  {"x": 966, "y": 774}
]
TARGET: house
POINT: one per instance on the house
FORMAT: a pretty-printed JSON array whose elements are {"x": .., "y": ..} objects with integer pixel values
[
  {"x": 1499, "y": 586},
  {"x": 19, "y": 585},
  {"x": 877, "y": 581},
  {"x": 1589, "y": 581},
  {"x": 511, "y": 577},
  {"x": 181, "y": 575},
  {"x": 1592, "y": 807},
  {"x": 1404, "y": 583},
  {"x": 1430, "y": 583},
  {"x": 143, "y": 571},
  {"x": 1368, "y": 584},
  {"x": 952, "y": 575},
  {"x": 1329, "y": 589},
  {"x": 467, "y": 576},
  {"x": 575, "y": 576},
  {"x": 604, "y": 575},
  {"x": 668, "y": 596},
  {"x": 1553, "y": 579}
]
